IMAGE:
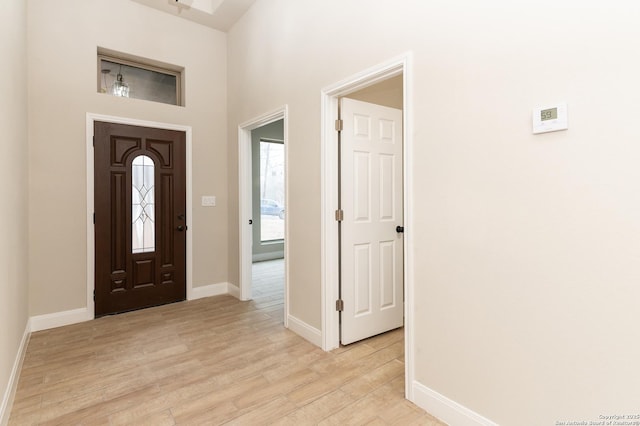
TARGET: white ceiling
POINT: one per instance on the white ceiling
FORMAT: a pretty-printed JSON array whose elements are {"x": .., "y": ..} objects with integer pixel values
[{"x": 217, "y": 14}]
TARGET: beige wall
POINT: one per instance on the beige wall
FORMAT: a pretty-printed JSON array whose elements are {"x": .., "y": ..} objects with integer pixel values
[
  {"x": 13, "y": 186},
  {"x": 526, "y": 247},
  {"x": 63, "y": 38}
]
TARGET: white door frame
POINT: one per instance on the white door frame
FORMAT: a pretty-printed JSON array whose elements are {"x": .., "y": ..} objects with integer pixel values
[
  {"x": 91, "y": 119},
  {"x": 329, "y": 201},
  {"x": 245, "y": 189}
]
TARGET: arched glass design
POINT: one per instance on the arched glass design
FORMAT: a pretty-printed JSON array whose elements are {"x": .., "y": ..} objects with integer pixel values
[{"x": 143, "y": 238}]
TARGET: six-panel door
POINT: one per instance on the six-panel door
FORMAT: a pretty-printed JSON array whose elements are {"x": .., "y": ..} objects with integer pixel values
[{"x": 371, "y": 197}]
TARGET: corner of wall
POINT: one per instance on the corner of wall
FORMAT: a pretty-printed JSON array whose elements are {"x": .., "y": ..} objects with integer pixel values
[
  {"x": 209, "y": 290},
  {"x": 10, "y": 393},
  {"x": 59, "y": 319},
  {"x": 304, "y": 330}
]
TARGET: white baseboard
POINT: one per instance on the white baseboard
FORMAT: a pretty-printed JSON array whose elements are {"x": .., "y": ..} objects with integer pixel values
[
  {"x": 234, "y": 291},
  {"x": 209, "y": 290},
  {"x": 260, "y": 257},
  {"x": 445, "y": 409},
  {"x": 312, "y": 334},
  {"x": 59, "y": 319},
  {"x": 10, "y": 393}
]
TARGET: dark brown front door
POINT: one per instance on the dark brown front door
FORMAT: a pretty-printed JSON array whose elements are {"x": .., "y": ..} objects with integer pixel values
[{"x": 140, "y": 223}]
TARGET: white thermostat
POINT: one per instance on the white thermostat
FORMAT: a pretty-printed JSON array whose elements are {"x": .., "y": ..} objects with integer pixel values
[{"x": 550, "y": 119}]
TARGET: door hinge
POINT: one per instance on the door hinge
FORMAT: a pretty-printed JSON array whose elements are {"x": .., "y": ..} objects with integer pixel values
[
  {"x": 94, "y": 295},
  {"x": 339, "y": 124},
  {"x": 94, "y": 141},
  {"x": 339, "y": 305},
  {"x": 339, "y": 215},
  {"x": 94, "y": 218}
]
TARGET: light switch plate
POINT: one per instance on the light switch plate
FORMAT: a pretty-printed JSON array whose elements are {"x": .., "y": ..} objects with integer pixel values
[{"x": 208, "y": 201}]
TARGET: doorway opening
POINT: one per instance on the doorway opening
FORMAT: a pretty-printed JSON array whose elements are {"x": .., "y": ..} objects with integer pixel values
[
  {"x": 373, "y": 79},
  {"x": 268, "y": 201},
  {"x": 262, "y": 214},
  {"x": 371, "y": 226}
]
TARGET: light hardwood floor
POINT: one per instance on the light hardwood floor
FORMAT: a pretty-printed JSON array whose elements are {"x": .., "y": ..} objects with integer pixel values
[{"x": 208, "y": 362}]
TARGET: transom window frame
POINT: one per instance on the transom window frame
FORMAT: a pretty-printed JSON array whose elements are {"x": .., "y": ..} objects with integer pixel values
[{"x": 146, "y": 64}]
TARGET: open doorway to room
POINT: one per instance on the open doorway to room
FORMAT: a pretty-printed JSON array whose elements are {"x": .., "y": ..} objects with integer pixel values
[
  {"x": 263, "y": 218},
  {"x": 268, "y": 201},
  {"x": 371, "y": 203},
  {"x": 395, "y": 72}
]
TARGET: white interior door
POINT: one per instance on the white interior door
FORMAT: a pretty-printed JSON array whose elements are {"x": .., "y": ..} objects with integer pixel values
[{"x": 371, "y": 199}]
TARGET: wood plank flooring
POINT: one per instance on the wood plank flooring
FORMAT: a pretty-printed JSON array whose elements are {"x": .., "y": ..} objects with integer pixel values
[{"x": 210, "y": 361}]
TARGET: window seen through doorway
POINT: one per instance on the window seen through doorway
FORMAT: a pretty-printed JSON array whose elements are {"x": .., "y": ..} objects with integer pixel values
[{"x": 271, "y": 191}]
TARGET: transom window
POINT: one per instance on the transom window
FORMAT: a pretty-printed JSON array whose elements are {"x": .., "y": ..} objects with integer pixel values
[{"x": 131, "y": 77}]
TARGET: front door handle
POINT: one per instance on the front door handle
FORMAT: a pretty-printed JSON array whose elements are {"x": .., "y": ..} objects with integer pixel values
[
  {"x": 181, "y": 228},
  {"x": 400, "y": 229}
]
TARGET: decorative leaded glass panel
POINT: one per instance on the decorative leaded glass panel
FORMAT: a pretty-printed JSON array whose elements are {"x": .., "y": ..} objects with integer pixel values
[{"x": 143, "y": 218}]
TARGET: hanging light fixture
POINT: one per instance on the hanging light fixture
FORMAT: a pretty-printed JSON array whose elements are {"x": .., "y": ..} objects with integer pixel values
[{"x": 120, "y": 88}]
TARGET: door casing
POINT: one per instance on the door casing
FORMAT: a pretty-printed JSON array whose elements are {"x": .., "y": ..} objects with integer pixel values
[
  {"x": 90, "y": 119},
  {"x": 401, "y": 65}
]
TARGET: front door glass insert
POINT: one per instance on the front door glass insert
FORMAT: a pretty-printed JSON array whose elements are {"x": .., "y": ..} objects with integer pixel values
[{"x": 142, "y": 205}]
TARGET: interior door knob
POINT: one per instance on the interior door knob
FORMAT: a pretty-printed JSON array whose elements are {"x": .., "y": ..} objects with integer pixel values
[
  {"x": 399, "y": 229},
  {"x": 180, "y": 228}
]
